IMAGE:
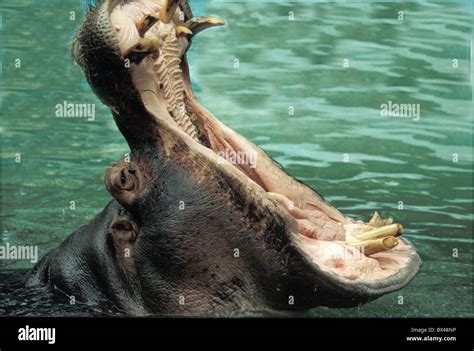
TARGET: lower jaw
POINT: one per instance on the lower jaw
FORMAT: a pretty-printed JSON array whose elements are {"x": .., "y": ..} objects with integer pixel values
[{"x": 322, "y": 233}]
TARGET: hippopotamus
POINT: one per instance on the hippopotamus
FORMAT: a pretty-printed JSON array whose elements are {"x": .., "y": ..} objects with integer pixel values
[{"x": 202, "y": 220}]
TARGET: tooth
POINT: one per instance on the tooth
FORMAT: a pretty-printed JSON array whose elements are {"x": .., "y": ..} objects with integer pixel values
[
  {"x": 198, "y": 24},
  {"x": 143, "y": 48},
  {"x": 182, "y": 30},
  {"x": 151, "y": 44},
  {"x": 146, "y": 23},
  {"x": 371, "y": 247},
  {"x": 386, "y": 231},
  {"x": 377, "y": 221},
  {"x": 167, "y": 10}
]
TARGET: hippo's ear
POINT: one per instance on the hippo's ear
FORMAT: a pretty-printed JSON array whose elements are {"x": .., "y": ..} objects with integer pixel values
[
  {"x": 125, "y": 182},
  {"x": 124, "y": 231}
]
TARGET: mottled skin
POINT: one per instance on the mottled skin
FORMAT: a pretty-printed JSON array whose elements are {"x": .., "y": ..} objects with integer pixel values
[{"x": 183, "y": 235}]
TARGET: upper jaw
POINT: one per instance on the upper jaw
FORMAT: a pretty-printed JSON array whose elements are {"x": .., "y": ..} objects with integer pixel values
[
  {"x": 105, "y": 47},
  {"x": 137, "y": 22},
  {"x": 153, "y": 38}
]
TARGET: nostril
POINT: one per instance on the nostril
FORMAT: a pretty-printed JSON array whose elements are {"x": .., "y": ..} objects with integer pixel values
[
  {"x": 123, "y": 178},
  {"x": 123, "y": 225}
]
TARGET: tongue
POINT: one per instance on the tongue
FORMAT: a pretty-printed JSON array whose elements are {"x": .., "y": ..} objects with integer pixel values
[{"x": 322, "y": 229}]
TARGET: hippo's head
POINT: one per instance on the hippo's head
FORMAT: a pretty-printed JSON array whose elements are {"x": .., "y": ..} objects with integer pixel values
[{"x": 214, "y": 224}]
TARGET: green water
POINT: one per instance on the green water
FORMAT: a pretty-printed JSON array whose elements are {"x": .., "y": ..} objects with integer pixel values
[{"x": 281, "y": 64}]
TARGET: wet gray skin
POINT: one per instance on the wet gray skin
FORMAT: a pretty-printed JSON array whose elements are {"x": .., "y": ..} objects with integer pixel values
[{"x": 195, "y": 226}]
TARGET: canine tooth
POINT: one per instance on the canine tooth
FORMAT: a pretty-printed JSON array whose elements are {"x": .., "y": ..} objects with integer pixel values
[
  {"x": 182, "y": 30},
  {"x": 167, "y": 10},
  {"x": 386, "y": 231},
  {"x": 371, "y": 247},
  {"x": 146, "y": 23},
  {"x": 377, "y": 221},
  {"x": 198, "y": 24},
  {"x": 366, "y": 228},
  {"x": 388, "y": 221},
  {"x": 150, "y": 45}
]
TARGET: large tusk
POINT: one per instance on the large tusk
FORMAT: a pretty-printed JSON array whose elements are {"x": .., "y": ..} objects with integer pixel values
[
  {"x": 182, "y": 30},
  {"x": 386, "y": 231},
  {"x": 198, "y": 24},
  {"x": 167, "y": 10},
  {"x": 146, "y": 23},
  {"x": 371, "y": 247}
]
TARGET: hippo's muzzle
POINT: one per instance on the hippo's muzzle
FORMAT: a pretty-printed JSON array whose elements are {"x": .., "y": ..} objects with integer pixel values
[{"x": 213, "y": 219}]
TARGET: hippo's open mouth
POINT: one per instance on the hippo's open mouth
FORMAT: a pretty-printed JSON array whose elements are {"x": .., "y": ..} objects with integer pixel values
[
  {"x": 151, "y": 39},
  {"x": 155, "y": 38}
]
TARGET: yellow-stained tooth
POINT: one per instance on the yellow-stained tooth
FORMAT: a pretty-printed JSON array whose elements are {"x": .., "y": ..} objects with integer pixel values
[
  {"x": 386, "y": 231},
  {"x": 198, "y": 24},
  {"x": 167, "y": 10},
  {"x": 388, "y": 221},
  {"x": 377, "y": 221},
  {"x": 371, "y": 247},
  {"x": 146, "y": 23},
  {"x": 182, "y": 30},
  {"x": 151, "y": 44}
]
